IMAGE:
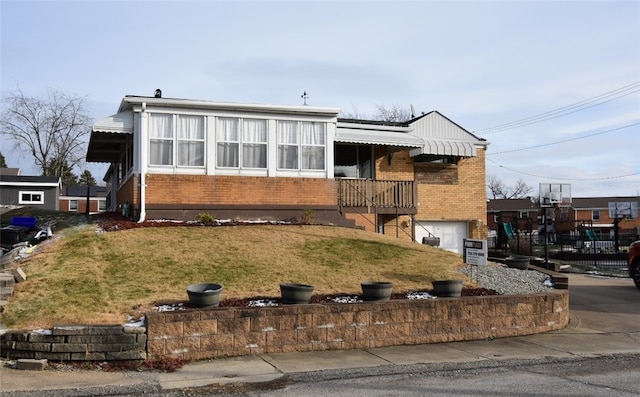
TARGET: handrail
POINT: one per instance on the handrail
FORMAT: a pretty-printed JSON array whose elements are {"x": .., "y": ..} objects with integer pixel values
[{"x": 355, "y": 193}]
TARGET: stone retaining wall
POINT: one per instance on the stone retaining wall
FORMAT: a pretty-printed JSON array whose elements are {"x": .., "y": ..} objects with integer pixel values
[
  {"x": 83, "y": 343},
  {"x": 223, "y": 332}
]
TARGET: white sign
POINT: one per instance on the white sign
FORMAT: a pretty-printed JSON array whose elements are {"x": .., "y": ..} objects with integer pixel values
[{"x": 475, "y": 252}]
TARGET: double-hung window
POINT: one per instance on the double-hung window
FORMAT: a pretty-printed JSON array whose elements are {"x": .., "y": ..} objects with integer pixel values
[
  {"x": 301, "y": 145},
  {"x": 73, "y": 205},
  {"x": 168, "y": 132},
  {"x": 161, "y": 139},
  {"x": 242, "y": 143},
  {"x": 190, "y": 141}
]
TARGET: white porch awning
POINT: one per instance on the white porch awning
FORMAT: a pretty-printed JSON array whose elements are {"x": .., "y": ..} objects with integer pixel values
[
  {"x": 447, "y": 147},
  {"x": 377, "y": 137}
]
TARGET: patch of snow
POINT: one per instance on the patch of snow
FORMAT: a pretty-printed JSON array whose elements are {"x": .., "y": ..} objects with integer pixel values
[
  {"x": 42, "y": 331},
  {"x": 169, "y": 307},
  {"x": 135, "y": 323},
  {"x": 420, "y": 295},
  {"x": 346, "y": 299},
  {"x": 262, "y": 303}
]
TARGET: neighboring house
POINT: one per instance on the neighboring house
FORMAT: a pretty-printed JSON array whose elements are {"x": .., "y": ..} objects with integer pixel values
[
  {"x": 33, "y": 191},
  {"x": 593, "y": 213},
  {"x": 175, "y": 158},
  {"x": 74, "y": 199},
  {"x": 520, "y": 213}
]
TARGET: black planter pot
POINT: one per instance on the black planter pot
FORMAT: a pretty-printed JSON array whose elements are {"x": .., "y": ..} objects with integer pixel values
[
  {"x": 518, "y": 262},
  {"x": 204, "y": 294},
  {"x": 447, "y": 288},
  {"x": 376, "y": 290},
  {"x": 295, "y": 294}
]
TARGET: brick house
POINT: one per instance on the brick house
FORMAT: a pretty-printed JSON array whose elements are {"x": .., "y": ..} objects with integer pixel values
[
  {"x": 593, "y": 213},
  {"x": 175, "y": 158},
  {"x": 75, "y": 198},
  {"x": 508, "y": 216}
]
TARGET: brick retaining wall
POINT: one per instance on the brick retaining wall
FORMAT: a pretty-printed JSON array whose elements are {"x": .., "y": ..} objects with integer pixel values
[
  {"x": 223, "y": 332},
  {"x": 82, "y": 343}
]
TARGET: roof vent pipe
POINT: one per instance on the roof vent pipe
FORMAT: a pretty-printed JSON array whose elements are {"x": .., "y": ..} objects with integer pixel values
[{"x": 158, "y": 93}]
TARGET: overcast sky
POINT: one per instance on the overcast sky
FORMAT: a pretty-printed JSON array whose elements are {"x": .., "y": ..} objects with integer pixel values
[{"x": 554, "y": 87}]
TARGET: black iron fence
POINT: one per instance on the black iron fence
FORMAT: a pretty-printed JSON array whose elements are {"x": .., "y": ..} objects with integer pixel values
[{"x": 579, "y": 248}]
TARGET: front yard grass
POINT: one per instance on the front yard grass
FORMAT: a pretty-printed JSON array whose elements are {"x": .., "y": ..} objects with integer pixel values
[{"x": 88, "y": 277}]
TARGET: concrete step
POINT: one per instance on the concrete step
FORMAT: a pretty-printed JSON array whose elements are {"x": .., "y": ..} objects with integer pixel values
[
  {"x": 7, "y": 280},
  {"x": 5, "y": 292}
]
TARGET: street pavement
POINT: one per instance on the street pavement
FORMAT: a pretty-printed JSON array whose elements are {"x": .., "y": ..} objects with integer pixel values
[{"x": 605, "y": 321}]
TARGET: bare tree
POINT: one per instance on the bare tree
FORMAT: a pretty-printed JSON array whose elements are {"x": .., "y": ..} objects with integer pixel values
[
  {"x": 52, "y": 130},
  {"x": 395, "y": 113},
  {"x": 498, "y": 190}
]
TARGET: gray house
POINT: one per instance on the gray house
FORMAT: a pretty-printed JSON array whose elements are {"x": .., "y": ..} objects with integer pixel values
[{"x": 33, "y": 191}]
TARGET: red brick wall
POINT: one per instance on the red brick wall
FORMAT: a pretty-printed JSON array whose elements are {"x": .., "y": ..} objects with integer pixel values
[
  {"x": 465, "y": 200},
  {"x": 239, "y": 190}
]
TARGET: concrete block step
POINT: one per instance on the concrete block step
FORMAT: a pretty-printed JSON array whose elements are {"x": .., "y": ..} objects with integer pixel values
[
  {"x": 7, "y": 280},
  {"x": 5, "y": 292}
]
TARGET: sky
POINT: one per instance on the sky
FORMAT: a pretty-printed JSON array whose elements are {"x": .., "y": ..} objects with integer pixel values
[{"x": 553, "y": 86}]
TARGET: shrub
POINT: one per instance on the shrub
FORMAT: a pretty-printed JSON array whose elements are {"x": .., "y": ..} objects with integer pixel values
[
  {"x": 206, "y": 219},
  {"x": 307, "y": 216}
]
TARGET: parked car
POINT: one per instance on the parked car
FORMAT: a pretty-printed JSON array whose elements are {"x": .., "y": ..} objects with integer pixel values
[{"x": 633, "y": 262}]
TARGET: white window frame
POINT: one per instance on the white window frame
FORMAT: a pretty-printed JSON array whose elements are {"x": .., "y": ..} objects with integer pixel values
[
  {"x": 524, "y": 214},
  {"x": 174, "y": 138},
  {"x": 240, "y": 142},
  {"x": 102, "y": 205},
  {"x": 31, "y": 193},
  {"x": 296, "y": 141},
  {"x": 71, "y": 208},
  {"x": 595, "y": 215}
]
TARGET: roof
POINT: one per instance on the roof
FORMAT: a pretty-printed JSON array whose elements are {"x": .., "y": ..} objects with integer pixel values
[
  {"x": 25, "y": 180},
  {"x": 444, "y": 137},
  {"x": 9, "y": 171},
  {"x": 109, "y": 137},
  {"x": 523, "y": 204},
  {"x": 600, "y": 202},
  {"x": 81, "y": 191},
  {"x": 376, "y": 134},
  {"x": 130, "y": 102}
]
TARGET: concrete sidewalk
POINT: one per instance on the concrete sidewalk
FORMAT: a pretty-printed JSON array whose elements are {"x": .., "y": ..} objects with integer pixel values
[{"x": 572, "y": 342}]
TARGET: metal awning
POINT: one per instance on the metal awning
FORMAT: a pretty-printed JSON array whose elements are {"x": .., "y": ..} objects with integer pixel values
[
  {"x": 378, "y": 137},
  {"x": 109, "y": 137},
  {"x": 447, "y": 147}
]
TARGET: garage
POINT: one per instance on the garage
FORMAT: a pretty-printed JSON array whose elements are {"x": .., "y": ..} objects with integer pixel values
[{"x": 451, "y": 234}]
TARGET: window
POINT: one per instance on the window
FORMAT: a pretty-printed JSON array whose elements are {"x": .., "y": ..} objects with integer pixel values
[
  {"x": 161, "y": 139},
  {"x": 190, "y": 141},
  {"x": 353, "y": 161},
  {"x": 31, "y": 197},
  {"x": 436, "y": 158},
  {"x": 242, "y": 143},
  {"x": 595, "y": 215},
  {"x": 73, "y": 205},
  {"x": 524, "y": 214},
  {"x": 184, "y": 133},
  {"x": 102, "y": 205},
  {"x": 301, "y": 145}
]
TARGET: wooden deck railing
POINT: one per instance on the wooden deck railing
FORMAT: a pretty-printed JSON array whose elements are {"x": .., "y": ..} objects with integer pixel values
[{"x": 380, "y": 194}]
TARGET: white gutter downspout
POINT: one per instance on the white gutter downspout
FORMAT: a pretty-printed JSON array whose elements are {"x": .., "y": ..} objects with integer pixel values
[{"x": 143, "y": 161}]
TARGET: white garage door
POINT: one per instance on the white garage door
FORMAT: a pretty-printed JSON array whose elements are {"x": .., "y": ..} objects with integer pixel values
[{"x": 451, "y": 234}]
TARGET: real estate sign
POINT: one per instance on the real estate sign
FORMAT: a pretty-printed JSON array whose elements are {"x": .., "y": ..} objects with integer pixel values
[{"x": 475, "y": 252}]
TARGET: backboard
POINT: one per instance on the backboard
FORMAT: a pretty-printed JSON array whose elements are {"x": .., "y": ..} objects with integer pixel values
[
  {"x": 623, "y": 209},
  {"x": 555, "y": 195}
]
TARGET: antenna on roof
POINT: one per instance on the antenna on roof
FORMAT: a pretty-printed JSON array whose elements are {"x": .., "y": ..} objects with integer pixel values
[
  {"x": 304, "y": 97},
  {"x": 413, "y": 111}
]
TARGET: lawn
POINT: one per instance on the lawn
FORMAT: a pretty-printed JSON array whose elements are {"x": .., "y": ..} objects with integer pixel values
[{"x": 82, "y": 276}]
